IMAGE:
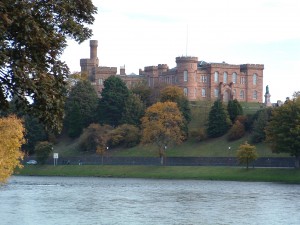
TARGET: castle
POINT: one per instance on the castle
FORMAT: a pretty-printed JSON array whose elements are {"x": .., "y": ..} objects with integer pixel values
[{"x": 198, "y": 79}]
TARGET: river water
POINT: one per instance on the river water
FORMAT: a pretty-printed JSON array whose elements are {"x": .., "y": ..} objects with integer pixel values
[{"x": 87, "y": 201}]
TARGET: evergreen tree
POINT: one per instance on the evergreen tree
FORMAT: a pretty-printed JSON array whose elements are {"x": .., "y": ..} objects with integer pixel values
[
  {"x": 133, "y": 111},
  {"x": 234, "y": 109},
  {"x": 218, "y": 120},
  {"x": 112, "y": 102},
  {"x": 80, "y": 108},
  {"x": 258, "y": 133}
]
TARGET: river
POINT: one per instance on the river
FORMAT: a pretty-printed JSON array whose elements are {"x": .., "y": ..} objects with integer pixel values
[{"x": 117, "y": 201}]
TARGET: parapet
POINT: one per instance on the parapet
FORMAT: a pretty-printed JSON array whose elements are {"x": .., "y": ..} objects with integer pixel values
[
  {"x": 252, "y": 66},
  {"x": 163, "y": 66},
  {"x": 150, "y": 68},
  {"x": 186, "y": 59}
]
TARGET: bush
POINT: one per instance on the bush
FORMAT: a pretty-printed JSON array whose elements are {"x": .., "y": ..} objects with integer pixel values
[
  {"x": 126, "y": 135},
  {"x": 236, "y": 132},
  {"x": 199, "y": 134},
  {"x": 42, "y": 151},
  {"x": 93, "y": 136}
]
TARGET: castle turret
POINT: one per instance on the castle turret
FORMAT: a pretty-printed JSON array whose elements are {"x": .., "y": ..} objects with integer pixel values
[
  {"x": 93, "y": 61},
  {"x": 187, "y": 72}
]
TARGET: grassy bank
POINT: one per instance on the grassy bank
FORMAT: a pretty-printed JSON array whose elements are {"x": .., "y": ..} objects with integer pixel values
[{"x": 174, "y": 172}]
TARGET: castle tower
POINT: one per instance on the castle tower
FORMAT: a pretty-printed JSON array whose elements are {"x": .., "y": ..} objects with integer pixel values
[
  {"x": 268, "y": 97},
  {"x": 87, "y": 64},
  {"x": 93, "y": 52},
  {"x": 186, "y": 73}
]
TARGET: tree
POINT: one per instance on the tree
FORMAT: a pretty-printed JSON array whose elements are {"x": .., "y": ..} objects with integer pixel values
[
  {"x": 218, "y": 120},
  {"x": 11, "y": 140},
  {"x": 134, "y": 110},
  {"x": 94, "y": 136},
  {"x": 175, "y": 94},
  {"x": 283, "y": 130},
  {"x": 258, "y": 133},
  {"x": 81, "y": 107},
  {"x": 42, "y": 151},
  {"x": 33, "y": 36},
  {"x": 234, "y": 109},
  {"x": 236, "y": 131},
  {"x": 246, "y": 154},
  {"x": 112, "y": 102},
  {"x": 142, "y": 90},
  {"x": 161, "y": 126}
]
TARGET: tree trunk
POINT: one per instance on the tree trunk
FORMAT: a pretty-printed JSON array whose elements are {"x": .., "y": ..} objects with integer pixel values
[{"x": 162, "y": 160}]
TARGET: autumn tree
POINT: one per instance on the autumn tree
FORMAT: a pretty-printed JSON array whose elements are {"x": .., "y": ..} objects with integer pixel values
[
  {"x": 112, "y": 102},
  {"x": 246, "y": 154},
  {"x": 283, "y": 130},
  {"x": 218, "y": 120},
  {"x": 162, "y": 125},
  {"x": 81, "y": 106},
  {"x": 33, "y": 37},
  {"x": 175, "y": 94},
  {"x": 11, "y": 140},
  {"x": 236, "y": 131}
]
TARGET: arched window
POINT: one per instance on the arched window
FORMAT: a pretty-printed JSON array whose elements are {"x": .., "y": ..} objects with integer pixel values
[
  {"x": 185, "y": 91},
  {"x": 216, "y": 77},
  {"x": 225, "y": 78},
  {"x": 185, "y": 75},
  {"x": 254, "y": 79},
  {"x": 234, "y": 78},
  {"x": 242, "y": 94},
  {"x": 254, "y": 94}
]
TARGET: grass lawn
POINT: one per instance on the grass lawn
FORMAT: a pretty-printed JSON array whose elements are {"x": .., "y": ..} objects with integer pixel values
[{"x": 168, "y": 172}]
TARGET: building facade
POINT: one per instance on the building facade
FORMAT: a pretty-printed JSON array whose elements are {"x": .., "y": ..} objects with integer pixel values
[{"x": 198, "y": 79}]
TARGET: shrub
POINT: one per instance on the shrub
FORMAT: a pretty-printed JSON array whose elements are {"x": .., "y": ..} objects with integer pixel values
[
  {"x": 126, "y": 135},
  {"x": 199, "y": 134},
  {"x": 93, "y": 136},
  {"x": 236, "y": 132}
]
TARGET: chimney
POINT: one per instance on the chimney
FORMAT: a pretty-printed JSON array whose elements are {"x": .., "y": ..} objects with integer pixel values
[{"x": 122, "y": 70}]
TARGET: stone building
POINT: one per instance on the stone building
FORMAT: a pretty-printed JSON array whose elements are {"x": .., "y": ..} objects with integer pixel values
[{"x": 198, "y": 79}]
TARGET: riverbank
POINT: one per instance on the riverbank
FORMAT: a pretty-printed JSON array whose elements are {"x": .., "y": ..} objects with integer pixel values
[{"x": 168, "y": 172}]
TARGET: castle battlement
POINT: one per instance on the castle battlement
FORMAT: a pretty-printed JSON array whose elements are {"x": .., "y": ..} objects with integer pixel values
[
  {"x": 252, "y": 66},
  {"x": 106, "y": 70},
  {"x": 150, "y": 68},
  {"x": 186, "y": 59}
]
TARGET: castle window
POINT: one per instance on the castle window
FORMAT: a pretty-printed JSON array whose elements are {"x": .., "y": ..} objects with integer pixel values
[
  {"x": 185, "y": 75},
  {"x": 204, "y": 79},
  {"x": 233, "y": 92},
  {"x": 185, "y": 91},
  {"x": 195, "y": 92},
  {"x": 216, "y": 92},
  {"x": 225, "y": 78},
  {"x": 243, "y": 80},
  {"x": 234, "y": 78},
  {"x": 100, "y": 81},
  {"x": 216, "y": 77},
  {"x": 242, "y": 94},
  {"x": 203, "y": 92},
  {"x": 254, "y": 79},
  {"x": 254, "y": 94}
]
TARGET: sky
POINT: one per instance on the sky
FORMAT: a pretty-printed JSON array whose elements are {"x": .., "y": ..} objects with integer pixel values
[{"x": 139, "y": 33}]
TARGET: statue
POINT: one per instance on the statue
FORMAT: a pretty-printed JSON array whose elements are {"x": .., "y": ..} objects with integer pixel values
[{"x": 267, "y": 89}]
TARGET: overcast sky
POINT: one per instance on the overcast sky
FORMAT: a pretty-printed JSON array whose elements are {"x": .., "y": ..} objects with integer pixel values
[{"x": 139, "y": 33}]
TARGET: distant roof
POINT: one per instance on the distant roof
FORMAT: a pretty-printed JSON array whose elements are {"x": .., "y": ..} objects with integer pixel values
[{"x": 201, "y": 63}]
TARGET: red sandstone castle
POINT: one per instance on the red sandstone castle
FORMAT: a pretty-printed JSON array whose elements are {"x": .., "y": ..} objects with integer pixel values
[{"x": 198, "y": 79}]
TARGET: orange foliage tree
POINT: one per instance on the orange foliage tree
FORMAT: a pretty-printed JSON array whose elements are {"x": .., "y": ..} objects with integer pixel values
[
  {"x": 162, "y": 126},
  {"x": 11, "y": 139}
]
